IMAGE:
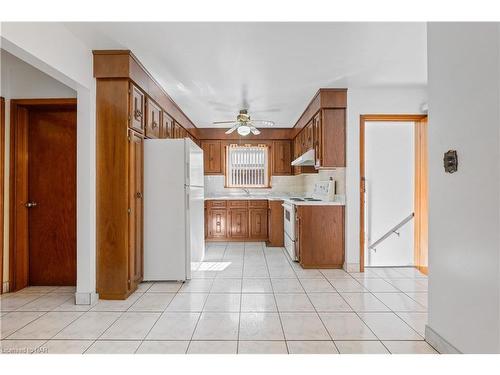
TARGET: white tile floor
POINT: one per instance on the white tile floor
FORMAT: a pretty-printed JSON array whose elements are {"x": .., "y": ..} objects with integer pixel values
[{"x": 244, "y": 298}]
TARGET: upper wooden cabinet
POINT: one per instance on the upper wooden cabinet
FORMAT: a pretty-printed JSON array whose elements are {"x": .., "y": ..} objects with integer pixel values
[
  {"x": 137, "y": 111},
  {"x": 281, "y": 158},
  {"x": 153, "y": 114},
  {"x": 212, "y": 157},
  {"x": 322, "y": 126},
  {"x": 167, "y": 125}
]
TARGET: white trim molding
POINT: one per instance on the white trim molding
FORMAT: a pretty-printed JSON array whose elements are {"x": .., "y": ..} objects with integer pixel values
[
  {"x": 435, "y": 340},
  {"x": 86, "y": 298}
]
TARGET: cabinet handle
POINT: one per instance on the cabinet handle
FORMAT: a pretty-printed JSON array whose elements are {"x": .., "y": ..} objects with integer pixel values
[
  {"x": 154, "y": 125},
  {"x": 138, "y": 195},
  {"x": 137, "y": 114}
]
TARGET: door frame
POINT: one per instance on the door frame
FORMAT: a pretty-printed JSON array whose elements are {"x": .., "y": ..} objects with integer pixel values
[
  {"x": 18, "y": 194},
  {"x": 420, "y": 251}
]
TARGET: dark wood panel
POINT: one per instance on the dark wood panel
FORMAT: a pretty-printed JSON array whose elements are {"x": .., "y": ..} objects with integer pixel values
[
  {"x": 276, "y": 232},
  {"x": 52, "y": 185},
  {"x": 266, "y": 134},
  {"x": 320, "y": 236}
]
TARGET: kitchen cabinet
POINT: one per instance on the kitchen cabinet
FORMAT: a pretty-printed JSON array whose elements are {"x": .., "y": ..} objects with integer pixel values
[
  {"x": 247, "y": 220},
  {"x": 136, "y": 208},
  {"x": 281, "y": 158},
  {"x": 276, "y": 235},
  {"x": 153, "y": 114},
  {"x": 238, "y": 223},
  {"x": 318, "y": 245},
  {"x": 123, "y": 122},
  {"x": 167, "y": 125},
  {"x": 217, "y": 223},
  {"x": 137, "y": 111},
  {"x": 212, "y": 157},
  {"x": 332, "y": 138},
  {"x": 258, "y": 223}
]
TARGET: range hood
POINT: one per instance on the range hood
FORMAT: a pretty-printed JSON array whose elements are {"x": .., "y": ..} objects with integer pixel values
[{"x": 307, "y": 158}]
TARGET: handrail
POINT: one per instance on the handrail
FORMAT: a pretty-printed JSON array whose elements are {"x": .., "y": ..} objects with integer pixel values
[{"x": 391, "y": 231}]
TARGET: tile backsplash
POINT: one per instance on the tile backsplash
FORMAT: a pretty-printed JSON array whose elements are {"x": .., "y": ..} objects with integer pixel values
[{"x": 300, "y": 184}]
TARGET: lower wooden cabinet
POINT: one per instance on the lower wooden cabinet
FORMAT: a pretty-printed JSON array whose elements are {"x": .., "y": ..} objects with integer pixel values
[
  {"x": 236, "y": 220},
  {"x": 320, "y": 236},
  {"x": 238, "y": 223},
  {"x": 275, "y": 227},
  {"x": 217, "y": 223}
]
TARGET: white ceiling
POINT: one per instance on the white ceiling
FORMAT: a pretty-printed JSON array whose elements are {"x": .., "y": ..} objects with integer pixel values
[{"x": 210, "y": 68}]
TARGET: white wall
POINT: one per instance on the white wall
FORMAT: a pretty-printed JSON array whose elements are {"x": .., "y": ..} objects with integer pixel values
[
  {"x": 362, "y": 102},
  {"x": 53, "y": 49},
  {"x": 464, "y": 215},
  {"x": 20, "y": 80},
  {"x": 389, "y": 172}
]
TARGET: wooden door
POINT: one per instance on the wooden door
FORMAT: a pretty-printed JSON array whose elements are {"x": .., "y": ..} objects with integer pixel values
[
  {"x": 153, "y": 114},
  {"x": 258, "y": 223},
  {"x": 167, "y": 125},
  {"x": 282, "y": 158},
  {"x": 211, "y": 157},
  {"x": 136, "y": 109},
  {"x": 238, "y": 223},
  {"x": 136, "y": 208},
  {"x": 217, "y": 223},
  {"x": 52, "y": 196}
]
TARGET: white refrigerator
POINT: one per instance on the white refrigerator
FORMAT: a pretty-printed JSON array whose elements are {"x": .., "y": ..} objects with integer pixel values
[{"x": 173, "y": 208}]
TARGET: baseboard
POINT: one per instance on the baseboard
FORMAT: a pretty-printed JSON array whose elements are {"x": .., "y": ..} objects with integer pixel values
[
  {"x": 439, "y": 343},
  {"x": 86, "y": 298}
]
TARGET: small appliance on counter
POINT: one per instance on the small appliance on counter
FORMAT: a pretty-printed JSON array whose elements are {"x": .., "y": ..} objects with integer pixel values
[{"x": 173, "y": 208}]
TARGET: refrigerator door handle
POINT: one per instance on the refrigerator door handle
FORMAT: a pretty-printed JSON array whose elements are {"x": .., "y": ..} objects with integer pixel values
[{"x": 187, "y": 197}]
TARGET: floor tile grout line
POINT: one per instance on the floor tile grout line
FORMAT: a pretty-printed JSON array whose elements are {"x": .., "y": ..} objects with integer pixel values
[
  {"x": 7, "y": 337},
  {"x": 241, "y": 297},
  {"x": 319, "y": 316},
  {"x": 276, "y": 302}
]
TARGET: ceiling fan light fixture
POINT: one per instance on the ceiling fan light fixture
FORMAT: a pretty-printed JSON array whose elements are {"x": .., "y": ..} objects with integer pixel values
[{"x": 243, "y": 130}]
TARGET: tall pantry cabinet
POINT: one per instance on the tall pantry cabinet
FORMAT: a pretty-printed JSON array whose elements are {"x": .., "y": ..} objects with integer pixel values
[{"x": 130, "y": 107}]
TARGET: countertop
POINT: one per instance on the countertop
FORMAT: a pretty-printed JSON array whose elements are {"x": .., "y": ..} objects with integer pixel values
[{"x": 339, "y": 199}]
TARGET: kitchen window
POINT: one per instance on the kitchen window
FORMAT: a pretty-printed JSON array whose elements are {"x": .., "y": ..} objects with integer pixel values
[{"x": 247, "y": 166}]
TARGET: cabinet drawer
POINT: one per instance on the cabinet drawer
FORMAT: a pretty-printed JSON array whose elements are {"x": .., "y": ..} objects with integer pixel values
[
  {"x": 237, "y": 203},
  {"x": 257, "y": 204},
  {"x": 212, "y": 203}
]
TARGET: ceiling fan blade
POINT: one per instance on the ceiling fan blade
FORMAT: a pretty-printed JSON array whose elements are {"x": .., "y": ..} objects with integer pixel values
[
  {"x": 254, "y": 130},
  {"x": 223, "y": 122},
  {"x": 232, "y": 129},
  {"x": 263, "y": 122}
]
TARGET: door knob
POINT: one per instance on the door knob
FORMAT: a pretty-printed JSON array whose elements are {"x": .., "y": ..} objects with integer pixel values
[{"x": 31, "y": 204}]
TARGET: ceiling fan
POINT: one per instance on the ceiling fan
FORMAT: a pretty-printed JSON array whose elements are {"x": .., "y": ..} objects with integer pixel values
[{"x": 244, "y": 125}]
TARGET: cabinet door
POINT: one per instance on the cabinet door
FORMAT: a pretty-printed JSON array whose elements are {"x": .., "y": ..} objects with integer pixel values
[
  {"x": 238, "y": 223},
  {"x": 217, "y": 223},
  {"x": 167, "y": 125},
  {"x": 137, "y": 112},
  {"x": 308, "y": 136},
  {"x": 212, "y": 157},
  {"x": 282, "y": 158},
  {"x": 177, "y": 130},
  {"x": 136, "y": 207},
  {"x": 258, "y": 223},
  {"x": 275, "y": 227},
  {"x": 153, "y": 114},
  {"x": 317, "y": 139}
]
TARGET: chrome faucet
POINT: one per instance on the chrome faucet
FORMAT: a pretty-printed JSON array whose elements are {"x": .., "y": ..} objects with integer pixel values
[{"x": 246, "y": 191}]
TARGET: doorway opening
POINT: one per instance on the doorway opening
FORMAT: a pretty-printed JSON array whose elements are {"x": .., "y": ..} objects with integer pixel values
[
  {"x": 393, "y": 191},
  {"x": 42, "y": 192}
]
